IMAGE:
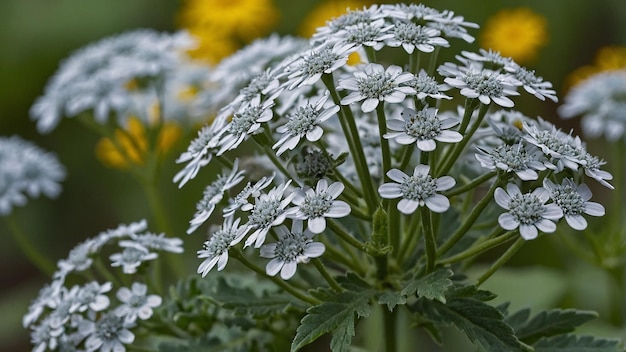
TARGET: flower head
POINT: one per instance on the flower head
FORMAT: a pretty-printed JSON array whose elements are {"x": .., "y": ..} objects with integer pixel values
[
  {"x": 373, "y": 84},
  {"x": 412, "y": 36},
  {"x": 108, "y": 333},
  {"x": 314, "y": 205},
  {"x": 524, "y": 161},
  {"x": 423, "y": 128},
  {"x": 293, "y": 247},
  {"x": 528, "y": 211},
  {"x": 215, "y": 249},
  {"x": 131, "y": 257},
  {"x": 136, "y": 303},
  {"x": 574, "y": 202},
  {"x": 417, "y": 190},
  {"x": 268, "y": 211}
]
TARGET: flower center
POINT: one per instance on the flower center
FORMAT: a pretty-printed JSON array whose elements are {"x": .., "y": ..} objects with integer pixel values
[
  {"x": 290, "y": 247},
  {"x": 265, "y": 212},
  {"x": 219, "y": 242},
  {"x": 569, "y": 200},
  {"x": 422, "y": 125},
  {"x": 242, "y": 121},
  {"x": 418, "y": 187},
  {"x": 319, "y": 61},
  {"x": 302, "y": 121},
  {"x": 484, "y": 84},
  {"x": 375, "y": 86},
  {"x": 316, "y": 205},
  {"x": 526, "y": 208}
]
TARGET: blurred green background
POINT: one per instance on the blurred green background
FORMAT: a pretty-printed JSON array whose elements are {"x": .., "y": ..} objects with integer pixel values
[{"x": 37, "y": 34}]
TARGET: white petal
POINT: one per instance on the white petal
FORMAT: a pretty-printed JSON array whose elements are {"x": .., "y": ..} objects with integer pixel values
[
  {"x": 507, "y": 221},
  {"x": 335, "y": 189},
  {"x": 426, "y": 145},
  {"x": 317, "y": 225},
  {"x": 445, "y": 183},
  {"x": 437, "y": 203},
  {"x": 289, "y": 269},
  {"x": 338, "y": 209},
  {"x": 593, "y": 209},
  {"x": 552, "y": 212},
  {"x": 314, "y": 249},
  {"x": 273, "y": 267},
  {"x": 529, "y": 232},
  {"x": 502, "y": 198},
  {"x": 369, "y": 104},
  {"x": 577, "y": 222},
  {"x": 407, "y": 206},
  {"x": 397, "y": 175},
  {"x": 390, "y": 190}
]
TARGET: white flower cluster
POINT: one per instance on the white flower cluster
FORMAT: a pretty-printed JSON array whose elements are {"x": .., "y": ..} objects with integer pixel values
[
  {"x": 341, "y": 139},
  {"x": 601, "y": 101},
  {"x": 26, "y": 171},
  {"x": 83, "y": 317}
]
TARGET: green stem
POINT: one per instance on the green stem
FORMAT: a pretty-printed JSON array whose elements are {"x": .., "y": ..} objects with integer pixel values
[
  {"x": 479, "y": 248},
  {"x": 344, "y": 235},
  {"x": 433, "y": 60},
  {"x": 351, "y": 133},
  {"x": 282, "y": 284},
  {"x": 28, "y": 248},
  {"x": 393, "y": 226},
  {"x": 390, "y": 322},
  {"x": 430, "y": 243},
  {"x": 473, "y": 216},
  {"x": 338, "y": 256},
  {"x": 406, "y": 156},
  {"x": 326, "y": 275},
  {"x": 384, "y": 143},
  {"x": 471, "y": 185},
  {"x": 458, "y": 148},
  {"x": 503, "y": 259},
  {"x": 414, "y": 61}
]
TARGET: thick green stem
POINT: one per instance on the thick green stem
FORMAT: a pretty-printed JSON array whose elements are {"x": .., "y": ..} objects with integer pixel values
[
  {"x": 348, "y": 125},
  {"x": 503, "y": 259},
  {"x": 282, "y": 284},
  {"x": 430, "y": 243},
  {"x": 390, "y": 322},
  {"x": 28, "y": 248},
  {"x": 479, "y": 248}
]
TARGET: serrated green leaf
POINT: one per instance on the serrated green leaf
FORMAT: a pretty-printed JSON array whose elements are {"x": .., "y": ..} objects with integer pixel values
[
  {"x": 245, "y": 301},
  {"x": 553, "y": 322},
  {"x": 518, "y": 319},
  {"x": 353, "y": 282},
  {"x": 337, "y": 315},
  {"x": 391, "y": 299},
  {"x": 431, "y": 286},
  {"x": 481, "y": 322},
  {"x": 573, "y": 343}
]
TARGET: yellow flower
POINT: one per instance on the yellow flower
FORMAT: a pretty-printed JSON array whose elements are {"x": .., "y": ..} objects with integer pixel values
[
  {"x": 213, "y": 45},
  {"x": 130, "y": 146},
  {"x": 327, "y": 10},
  {"x": 245, "y": 19},
  {"x": 516, "y": 33},
  {"x": 608, "y": 58}
]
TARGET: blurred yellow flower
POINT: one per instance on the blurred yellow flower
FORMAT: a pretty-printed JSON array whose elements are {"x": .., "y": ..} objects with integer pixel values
[
  {"x": 213, "y": 45},
  {"x": 246, "y": 19},
  {"x": 608, "y": 58},
  {"x": 516, "y": 33},
  {"x": 130, "y": 146},
  {"x": 327, "y": 10}
]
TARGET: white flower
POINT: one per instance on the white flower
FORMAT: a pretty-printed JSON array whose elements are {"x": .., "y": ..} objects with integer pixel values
[
  {"x": 310, "y": 66},
  {"x": 373, "y": 84},
  {"x": 159, "y": 242},
  {"x": 528, "y": 211},
  {"x": 78, "y": 259},
  {"x": 250, "y": 190},
  {"x": 427, "y": 86},
  {"x": 26, "y": 171},
  {"x": 268, "y": 211},
  {"x": 423, "y": 128},
  {"x": 591, "y": 164},
  {"x": 490, "y": 57},
  {"x": 474, "y": 81},
  {"x": 535, "y": 85},
  {"x": 200, "y": 151},
  {"x": 215, "y": 249},
  {"x": 108, "y": 333},
  {"x": 136, "y": 303},
  {"x": 213, "y": 194},
  {"x": 411, "y": 36},
  {"x": 417, "y": 190},
  {"x": 131, "y": 257},
  {"x": 246, "y": 121},
  {"x": 562, "y": 149},
  {"x": 317, "y": 204},
  {"x": 574, "y": 201},
  {"x": 43, "y": 336},
  {"x": 303, "y": 122},
  {"x": 371, "y": 33},
  {"x": 293, "y": 247},
  {"x": 91, "y": 296},
  {"x": 453, "y": 26},
  {"x": 517, "y": 158}
]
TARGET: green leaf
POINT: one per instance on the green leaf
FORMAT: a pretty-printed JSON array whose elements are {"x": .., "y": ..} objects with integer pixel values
[
  {"x": 573, "y": 343},
  {"x": 337, "y": 315},
  {"x": 551, "y": 322},
  {"x": 243, "y": 300},
  {"x": 431, "y": 286},
  {"x": 391, "y": 299},
  {"x": 481, "y": 322}
]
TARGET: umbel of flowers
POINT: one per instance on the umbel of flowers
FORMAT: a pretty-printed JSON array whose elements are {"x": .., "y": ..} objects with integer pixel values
[
  {"x": 370, "y": 183},
  {"x": 346, "y": 186}
]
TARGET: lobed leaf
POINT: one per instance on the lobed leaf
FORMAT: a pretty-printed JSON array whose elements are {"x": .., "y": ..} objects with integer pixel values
[
  {"x": 549, "y": 323},
  {"x": 432, "y": 286},
  {"x": 573, "y": 343}
]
